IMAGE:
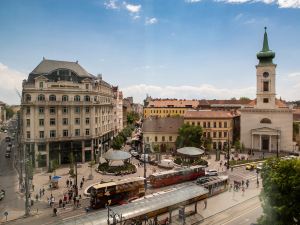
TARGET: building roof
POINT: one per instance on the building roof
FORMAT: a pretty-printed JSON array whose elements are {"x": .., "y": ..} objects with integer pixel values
[
  {"x": 115, "y": 155},
  {"x": 165, "y": 125},
  {"x": 190, "y": 151},
  {"x": 229, "y": 102},
  {"x": 181, "y": 103},
  {"x": 265, "y": 56},
  {"x": 46, "y": 66},
  {"x": 278, "y": 102},
  {"x": 199, "y": 114}
]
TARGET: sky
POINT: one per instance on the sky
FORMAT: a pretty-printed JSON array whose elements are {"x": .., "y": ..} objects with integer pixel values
[{"x": 186, "y": 49}]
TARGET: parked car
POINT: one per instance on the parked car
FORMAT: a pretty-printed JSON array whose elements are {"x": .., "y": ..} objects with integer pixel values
[
  {"x": 7, "y": 139},
  {"x": 8, "y": 149},
  {"x": 7, "y": 155},
  {"x": 2, "y": 194},
  {"x": 211, "y": 173},
  {"x": 251, "y": 166},
  {"x": 259, "y": 166},
  {"x": 134, "y": 153}
]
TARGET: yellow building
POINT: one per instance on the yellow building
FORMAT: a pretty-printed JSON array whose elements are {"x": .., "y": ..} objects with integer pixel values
[
  {"x": 218, "y": 125},
  {"x": 169, "y": 107}
]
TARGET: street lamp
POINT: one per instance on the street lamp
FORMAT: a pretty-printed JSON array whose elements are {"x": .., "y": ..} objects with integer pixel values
[{"x": 228, "y": 147}]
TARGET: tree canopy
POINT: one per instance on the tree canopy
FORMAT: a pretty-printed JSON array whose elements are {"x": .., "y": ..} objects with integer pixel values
[
  {"x": 132, "y": 117},
  {"x": 281, "y": 192},
  {"x": 189, "y": 136}
]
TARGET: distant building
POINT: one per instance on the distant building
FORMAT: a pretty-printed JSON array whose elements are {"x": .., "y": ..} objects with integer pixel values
[
  {"x": 296, "y": 120},
  {"x": 225, "y": 105},
  {"x": 217, "y": 125},
  {"x": 2, "y": 112},
  {"x": 118, "y": 110},
  {"x": 169, "y": 107},
  {"x": 65, "y": 109},
  {"x": 267, "y": 122},
  {"x": 162, "y": 132},
  {"x": 127, "y": 108}
]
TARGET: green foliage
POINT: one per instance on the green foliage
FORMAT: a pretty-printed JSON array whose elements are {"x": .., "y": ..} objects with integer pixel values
[
  {"x": 54, "y": 165},
  {"x": 281, "y": 192},
  {"x": 156, "y": 148},
  {"x": 207, "y": 143},
  {"x": 295, "y": 130},
  {"x": 132, "y": 117},
  {"x": 244, "y": 98},
  {"x": 126, "y": 168},
  {"x": 118, "y": 142},
  {"x": 71, "y": 172},
  {"x": 189, "y": 136},
  {"x": 237, "y": 145},
  {"x": 9, "y": 112},
  {"x": 198, "y": 161}
]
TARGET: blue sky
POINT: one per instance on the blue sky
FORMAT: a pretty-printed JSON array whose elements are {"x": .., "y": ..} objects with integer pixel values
[{"x": 166, "y": 48}]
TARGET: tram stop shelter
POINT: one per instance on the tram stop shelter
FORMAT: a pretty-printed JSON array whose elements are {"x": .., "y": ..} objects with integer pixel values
[
  {"x": 147, "y": 208},
  {"x": 188, "y": 153},
  {"x": 116, "y": 155}
]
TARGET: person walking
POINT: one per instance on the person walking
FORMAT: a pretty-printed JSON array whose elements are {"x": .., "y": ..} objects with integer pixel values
[
  {"x": 55, "y": 211},
  {"x": 83, "y": 179},
  {"x": 81, "y": 184},
  {"x": 32, "y": 187},
  {"x": 243, "y": 191},
  {"x": 247, "y": 183},
  {"x": 67, "y": 182},
  {"x": 36, "y": 197},
  {"x": 43, "y": 190},
  {"x": 40, "y": 193},
  {"x": 205, "y": 203}
]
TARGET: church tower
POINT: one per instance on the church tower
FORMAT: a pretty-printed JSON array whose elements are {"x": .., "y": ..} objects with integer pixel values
[{"x": 265, "y": 77}]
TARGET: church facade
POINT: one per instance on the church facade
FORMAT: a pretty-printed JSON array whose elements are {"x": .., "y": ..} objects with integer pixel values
[{"x": 267, "y": 122}]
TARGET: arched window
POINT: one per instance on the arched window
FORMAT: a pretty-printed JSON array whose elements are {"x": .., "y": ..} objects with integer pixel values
[
  {"x": 265, "y": 120},
  {"x": 77, "y": 98},
  {"x": 41, "y": 98},
  {"x": 87, "y": 98},
  {"x": 52, "y": 98},
  {"x": 65, "y": 98},
  {"x": 28, "y": 98}
]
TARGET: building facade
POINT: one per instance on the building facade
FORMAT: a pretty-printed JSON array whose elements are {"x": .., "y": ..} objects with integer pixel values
[
  {"x": 161, "y": 133},
  {"x": 118, "y": 110},
  {"x": 65, "y": 110},
  {"x": 169, "y": 107},
  {"x": 2, "y": 113},
  {"x": 267, "y": 122},
  {"x": 216, "y": 125}
]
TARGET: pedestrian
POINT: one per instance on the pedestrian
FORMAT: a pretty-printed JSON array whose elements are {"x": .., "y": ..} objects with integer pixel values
[
  {"x": 83, "y": 179},
  {"x": 243, "y": 183},
  {"x": 33, "y": 187},
  {"x": 247, "y": 183},
  {"x": 60, "y": 203},
  {"x": 64, "y": 204},
  {"x": 257, "y": 183},
  {"x": 43, "y": 190},
  {"x": 70, "y": 183},
  {"x": 50, "y": 177},
  {"x": 36, "y": 197},
  {"x": 243, "y": 191},
  {"x": 40, "y": 193},
  {"x": 67, "y": 182},
  {"x": 54, "y": 211},
  {"x": 81, "y": 184},
  {"x": 230, "y": 187},
  {"x": 74, "y": 200},
  {"x": 205, "y": 203}
]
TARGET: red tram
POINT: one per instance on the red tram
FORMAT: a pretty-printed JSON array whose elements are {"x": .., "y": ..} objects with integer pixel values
[{"x": 175, "y": 176}]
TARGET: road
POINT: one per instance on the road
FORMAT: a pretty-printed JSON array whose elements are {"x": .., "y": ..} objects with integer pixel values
[
  {"x": 11, "y": 203},
  {"x": 242, "y": 214}
]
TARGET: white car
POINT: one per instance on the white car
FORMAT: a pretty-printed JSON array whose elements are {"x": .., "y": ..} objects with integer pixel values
[
  {"x": 134, "y": 153},
  {"x": 211, "y": 173}
]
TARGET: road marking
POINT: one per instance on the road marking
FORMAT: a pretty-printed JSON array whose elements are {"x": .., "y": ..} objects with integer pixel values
[{"x": 241, "y": 215}]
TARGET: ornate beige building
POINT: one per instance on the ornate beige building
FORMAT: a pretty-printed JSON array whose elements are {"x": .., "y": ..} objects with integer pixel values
[
  {"x": 267, "y": 122},
  {"x": 65, "y": 109}
]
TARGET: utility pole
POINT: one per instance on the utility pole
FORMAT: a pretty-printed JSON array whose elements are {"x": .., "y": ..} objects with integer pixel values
[
  {"x": 145, "y": 168},
  {"x": 228, "y": 149},
  {"x": 26, "y": 183}
]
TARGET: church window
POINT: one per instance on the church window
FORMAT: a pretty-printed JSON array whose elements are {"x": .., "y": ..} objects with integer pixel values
[
  {"x": 265, "y": 120},
  {"x": 266, "y": 85},
  {"x": 266, "y": 100}
]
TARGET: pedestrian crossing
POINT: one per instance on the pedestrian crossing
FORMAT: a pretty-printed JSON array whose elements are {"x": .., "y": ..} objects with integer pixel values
[{"x": 242, "y": 174}]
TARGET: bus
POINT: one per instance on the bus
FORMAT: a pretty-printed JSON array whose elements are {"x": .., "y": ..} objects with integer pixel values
[
  {"x": 216, "y": 185},
  {"x": 176, "y": 175},
  {"x": 115, "y": 192}
]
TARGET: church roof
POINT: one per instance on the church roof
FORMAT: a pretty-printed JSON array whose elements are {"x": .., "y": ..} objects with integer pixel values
[
  {"x": 173, "y": 103},
  {"x": 265, "y": 56}
]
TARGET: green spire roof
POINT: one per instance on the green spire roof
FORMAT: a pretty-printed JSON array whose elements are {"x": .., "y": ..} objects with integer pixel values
[{"x": 265, "y": 56}]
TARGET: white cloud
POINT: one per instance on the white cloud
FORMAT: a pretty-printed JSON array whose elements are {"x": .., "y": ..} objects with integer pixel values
[
  {"x": 192, "y": 1},
  {"x": 296, "y": 74},
  {"x": 150, "y": 21},
  {"x": 11, "y": 80},
  {"x": 111, "y": 4},
  {"x": 280, "y": 3},
  {"x": 186, "y": 92},
  {"x": 132, "y": 8}
]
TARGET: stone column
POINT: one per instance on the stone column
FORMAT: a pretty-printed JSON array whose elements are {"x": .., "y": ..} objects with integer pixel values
[
  {"x": 270, "y": 143},
  {"x": 251, "y": 142},
  {"x": 260, "y": 142}
]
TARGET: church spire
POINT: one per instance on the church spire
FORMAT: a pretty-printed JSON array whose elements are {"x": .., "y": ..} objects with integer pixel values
[
  {"x": 266, "y": 44},
  {"x": 265, "y": 56}
]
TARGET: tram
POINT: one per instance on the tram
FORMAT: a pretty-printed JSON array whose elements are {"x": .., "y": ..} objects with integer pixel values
[
  {"x": 216, "y": 185},
  {"x": 115, "y": 192},
  {"x": 175, "y": 176}
]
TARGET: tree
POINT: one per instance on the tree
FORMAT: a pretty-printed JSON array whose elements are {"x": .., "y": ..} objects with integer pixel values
[
  {"x": 281, "y": 192},
  {"x": 189, "y": 136},
  {"x": 54, "y": 165},
  {"x": 244, "y": 98},
  {"x": 237, "y": 145},
  {"x": 295, "y": 130},
  {"x": 207, "y": 143},
  {"x": 132, "y": 117},
  {"x": 9, "y": 112},
  {"x": 118, "y": 142}
]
